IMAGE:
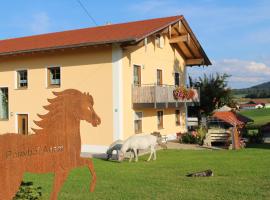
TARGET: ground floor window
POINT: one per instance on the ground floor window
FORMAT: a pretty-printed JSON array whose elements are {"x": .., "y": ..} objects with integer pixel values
[
  {"x": 177, "y": 118},
  {"x": 160, "y": 119},
  {"x": 3, "y": 103},
  {"x": 138, "y": 122}
]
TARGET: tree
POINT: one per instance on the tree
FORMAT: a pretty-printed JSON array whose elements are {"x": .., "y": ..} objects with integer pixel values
[{"x": 214, "y": 92}]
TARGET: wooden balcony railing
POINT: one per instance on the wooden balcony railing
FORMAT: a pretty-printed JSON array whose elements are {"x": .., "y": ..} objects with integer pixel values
[{"x": 157, "y": 95}]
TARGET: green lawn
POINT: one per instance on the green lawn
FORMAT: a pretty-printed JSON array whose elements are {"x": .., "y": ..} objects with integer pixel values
[
  {"x": 260, "y": 116},
  {"x": 242, "y": 174}
]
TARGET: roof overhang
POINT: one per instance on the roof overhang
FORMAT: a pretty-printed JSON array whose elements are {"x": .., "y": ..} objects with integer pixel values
[{"x": 184, "y": 40}]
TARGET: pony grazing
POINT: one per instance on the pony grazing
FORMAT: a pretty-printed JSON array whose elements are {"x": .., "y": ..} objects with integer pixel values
[
  {"x": 55, "y": 147},
  {"x": 139, "y": 142}
]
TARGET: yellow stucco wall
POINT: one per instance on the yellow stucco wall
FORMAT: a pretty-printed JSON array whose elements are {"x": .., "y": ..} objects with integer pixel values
[
  {"x": 88, "y": 70},
  {"x": 152, "y": 58},
  {"x": 91, "y": 70}
]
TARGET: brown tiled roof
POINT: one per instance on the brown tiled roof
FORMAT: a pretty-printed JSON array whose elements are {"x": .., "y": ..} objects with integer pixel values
[
  {"x": 229, "y": 117},
  {"x": 132, "y": 31}
]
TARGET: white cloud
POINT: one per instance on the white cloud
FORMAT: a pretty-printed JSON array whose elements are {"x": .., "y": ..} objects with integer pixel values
[
  {"x": 254, "y": 67},
  {"x": 40, "y": 23},
  {"x": 244, "y": 73}
]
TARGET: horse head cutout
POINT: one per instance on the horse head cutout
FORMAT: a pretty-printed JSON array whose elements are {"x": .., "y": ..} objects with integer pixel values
[{"x": 80, "y": 104}]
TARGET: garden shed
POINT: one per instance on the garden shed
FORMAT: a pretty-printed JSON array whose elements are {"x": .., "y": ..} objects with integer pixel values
[{"x": 225, "y": 128}]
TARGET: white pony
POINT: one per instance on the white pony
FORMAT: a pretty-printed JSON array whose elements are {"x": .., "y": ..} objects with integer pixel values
[{"x": 139, "y": 142}]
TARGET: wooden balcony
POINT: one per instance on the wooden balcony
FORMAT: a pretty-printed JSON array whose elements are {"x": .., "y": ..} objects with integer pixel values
[{"x": 155, "y": 96}]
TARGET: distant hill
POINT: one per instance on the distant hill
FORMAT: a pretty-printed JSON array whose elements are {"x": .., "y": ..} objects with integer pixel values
[
  {"x": 262, "y": 86},
  {"x": 256, "y": 91}
]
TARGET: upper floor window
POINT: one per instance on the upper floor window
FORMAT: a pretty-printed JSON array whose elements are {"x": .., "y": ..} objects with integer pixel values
[
  {"x": 160, "y": 119},
  {"x": 159, "y": 77},
  {"x": 54, "y": 76},
  {"x": 177, "y": 79},
  {"x": 22, "y": 79},
  {"x": 4, "y": 103},
  {"x": 137, "y": 75},
  {"x": 138, "y": 122},
  {"x": 160, "y": 41}
]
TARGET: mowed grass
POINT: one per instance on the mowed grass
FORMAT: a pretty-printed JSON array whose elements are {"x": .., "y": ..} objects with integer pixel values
[
  {"x": 239, "y": 175},
  {"x": 260, "y": 116}
]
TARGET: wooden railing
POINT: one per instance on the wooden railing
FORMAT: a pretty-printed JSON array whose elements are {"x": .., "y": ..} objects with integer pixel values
[{"x": 155, "y": 94}]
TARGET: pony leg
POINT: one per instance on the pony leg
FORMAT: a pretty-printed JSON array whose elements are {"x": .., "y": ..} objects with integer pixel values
[
  {"x": 93, "y": 173},
  {"x": 130, "y": 157},
  {"x": 150, "y": 155},
  {"x": 136, "y": 155},
  {"x": 155, "y": 154},
  {"x": 60, "y": 177}
]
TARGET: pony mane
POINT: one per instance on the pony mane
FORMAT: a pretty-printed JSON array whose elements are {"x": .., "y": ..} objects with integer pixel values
[{"x": 56, "y": 108}]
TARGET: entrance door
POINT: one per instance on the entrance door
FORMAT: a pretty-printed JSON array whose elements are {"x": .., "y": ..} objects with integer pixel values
[{"x": 23, "y": 124}]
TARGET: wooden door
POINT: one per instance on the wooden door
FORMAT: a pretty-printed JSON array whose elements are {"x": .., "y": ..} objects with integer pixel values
[{"x": 23, "y": 124}]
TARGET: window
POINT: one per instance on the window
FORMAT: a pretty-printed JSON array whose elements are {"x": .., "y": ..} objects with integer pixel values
[
  {"x": 177, "y": 79},
  {"x": 54, "y": 76},
  {"x": 137, "y": 75},
  {"x": 177, "y": 118},
  {"x": 138, "y": 122},
  {"x": 4, "y": 103},
  {"x": 159, "y": 77},
  {"x": 160, "y": 119},
  {"x": 160, "y": 41},
  {"x": 22, "y": 79}
]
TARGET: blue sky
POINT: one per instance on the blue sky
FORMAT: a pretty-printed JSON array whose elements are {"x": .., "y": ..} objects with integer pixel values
[{"x": 234, "y": 33}]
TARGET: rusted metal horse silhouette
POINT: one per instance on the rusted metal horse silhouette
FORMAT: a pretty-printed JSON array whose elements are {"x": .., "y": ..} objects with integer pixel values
[{"x": 56, "y": 147}]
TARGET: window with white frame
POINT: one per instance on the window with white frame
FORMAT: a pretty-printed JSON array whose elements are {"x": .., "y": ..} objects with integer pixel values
[
  {"x": 22, "y": 79},
  {"x": 138, "y": 122},
  {"x": 4, "y": 104},
  {"x": 54, "y": 76}
]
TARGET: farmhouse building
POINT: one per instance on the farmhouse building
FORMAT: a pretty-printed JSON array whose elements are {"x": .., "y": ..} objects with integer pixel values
[{"x": 130, "y": 69}]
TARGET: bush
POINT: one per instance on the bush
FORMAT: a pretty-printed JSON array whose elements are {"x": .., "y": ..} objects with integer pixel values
[
  {"x": 194, "y": 137},
  {"x": 28, "y": 192},
  {"x": 188, "y": 138},
  {"x": 254, "y": 136},
  {"x": 201, "y": 133}
]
